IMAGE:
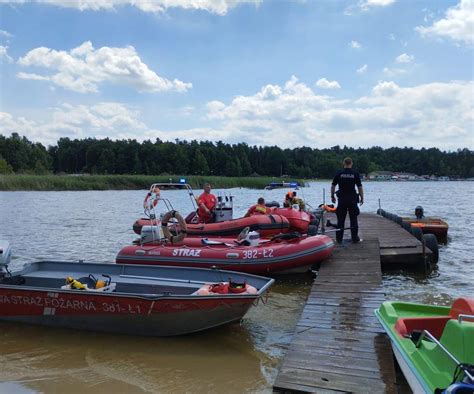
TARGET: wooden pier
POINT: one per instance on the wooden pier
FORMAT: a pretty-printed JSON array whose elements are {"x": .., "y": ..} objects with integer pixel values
[
  {"x": 338, "y": 344},
  {"x": 398, "y": 248}
]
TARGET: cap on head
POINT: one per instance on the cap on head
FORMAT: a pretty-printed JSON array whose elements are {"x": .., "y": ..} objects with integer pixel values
[{"x": 347, "y": 161}]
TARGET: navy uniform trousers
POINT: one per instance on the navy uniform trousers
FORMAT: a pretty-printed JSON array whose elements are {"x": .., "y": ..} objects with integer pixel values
[{"x": 344, "y": 205}]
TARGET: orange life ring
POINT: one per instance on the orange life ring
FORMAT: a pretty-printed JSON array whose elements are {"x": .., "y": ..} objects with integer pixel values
[
  {"x": 155, "y": 200},
  {"x": 328, "y": 208},
  {"x": 166, "y": 231}
]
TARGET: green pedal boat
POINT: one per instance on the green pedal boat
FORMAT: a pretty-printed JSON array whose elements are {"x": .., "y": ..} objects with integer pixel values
[{"x": 434, "y": 345}]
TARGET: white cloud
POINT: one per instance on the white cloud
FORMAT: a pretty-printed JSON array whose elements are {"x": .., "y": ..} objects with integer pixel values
[
  {"x": 4, "y": 54},
  {"x": 435, "y": 114},
  {"x": 83, "y": 69},
  {"x": 378, "y": 3},
  {"x": 325, "y": 84},
  {"x": 366, "y": 5},
  {"x": 362, "y": 69},
  {"x": 389, "y": 116},
  {"x": 219, "y": 7},
  {"x": 31, "y": 76},
  {"x": 458, "y": 24},
  {"x": 4, "y": 33},
  {"x": 355, "y": 44},
  {"x": 404, "y": 58},
  {"x": 103, "y": 119},
  {"x": 392, "y": 72},
  {"x": 391, "y": 37}
]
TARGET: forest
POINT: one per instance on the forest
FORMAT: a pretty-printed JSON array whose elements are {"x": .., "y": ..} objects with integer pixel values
[{"x": 117, "y": 157}]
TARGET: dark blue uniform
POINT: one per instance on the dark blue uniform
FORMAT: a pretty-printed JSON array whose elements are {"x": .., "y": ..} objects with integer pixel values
[{"x": 347, "y": 200}]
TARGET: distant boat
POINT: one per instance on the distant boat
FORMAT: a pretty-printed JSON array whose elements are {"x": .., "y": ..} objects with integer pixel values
[{"x": 281, "y": 185}]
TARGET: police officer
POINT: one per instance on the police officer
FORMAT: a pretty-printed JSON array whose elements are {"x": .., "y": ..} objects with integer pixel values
[{"x": 347, "y": 199}]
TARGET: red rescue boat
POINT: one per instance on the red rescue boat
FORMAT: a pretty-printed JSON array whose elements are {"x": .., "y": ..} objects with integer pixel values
[
  {"x": 298, "y": 220},
  {"x": 285, "y": 253},
  {"x": 266, "y": 225}
]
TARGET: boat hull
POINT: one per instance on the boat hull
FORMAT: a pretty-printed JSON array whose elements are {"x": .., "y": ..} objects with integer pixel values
[
  {"x": 119, "y": 315},
  {"x": 298, "y": 220},
  {"x": 266, "y": 225},
  {"x": 411, "y": 376},
  {"x": 429, "y": 341},
  {"x": 149, "y": 301},
  {"x": 292, "y": 256},
  {"x": 437, "y": 227}
]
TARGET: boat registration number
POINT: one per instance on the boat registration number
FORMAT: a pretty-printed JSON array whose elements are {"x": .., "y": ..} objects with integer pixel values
[{"x": 255, "y": 254}]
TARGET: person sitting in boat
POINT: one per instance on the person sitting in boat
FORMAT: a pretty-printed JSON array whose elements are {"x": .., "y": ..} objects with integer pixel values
[
  {"x": 419, "y": 212},
  {"x": 151, "y": 198},
  {"x": 291, "y": 199},
  {"x": 206, "y": 205},
  {"x": 258, "y": 209}
]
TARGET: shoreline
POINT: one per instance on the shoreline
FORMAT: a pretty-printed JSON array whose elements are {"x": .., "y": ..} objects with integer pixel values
[{"x": 125, "y": 182}]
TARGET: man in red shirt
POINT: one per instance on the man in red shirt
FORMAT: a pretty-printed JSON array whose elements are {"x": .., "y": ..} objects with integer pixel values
[
  {"x": 206, "y": 205},
  {"x": 259, "y": 208}
]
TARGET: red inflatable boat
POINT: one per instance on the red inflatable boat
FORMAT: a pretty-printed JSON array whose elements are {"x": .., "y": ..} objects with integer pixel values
[
  {"x": 285, "y": 253},
  {"x": 298, "y": 220},
  {"x": 266, "y": 225}
]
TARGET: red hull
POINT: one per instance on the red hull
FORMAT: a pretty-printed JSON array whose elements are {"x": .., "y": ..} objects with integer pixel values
[
  {"x": 434, "y": 226},
  {"x": 127, "y": 315},
  {"x": 266, "y": 225},
  {"x": 299, "y": 220},
  {"x": 277, "y": 257}
]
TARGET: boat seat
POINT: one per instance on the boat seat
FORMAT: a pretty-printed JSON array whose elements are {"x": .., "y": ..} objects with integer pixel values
[
  {"x": 463, "y": 306},
  {"x": 434, "y": 324},
  {"x": 458, "y": 338}
]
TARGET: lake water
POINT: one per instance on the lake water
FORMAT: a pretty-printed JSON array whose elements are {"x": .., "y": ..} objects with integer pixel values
[{"x": 93, "y": 226}]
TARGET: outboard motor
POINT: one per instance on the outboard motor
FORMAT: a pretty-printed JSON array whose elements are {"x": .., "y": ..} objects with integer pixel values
[
  {"x": 419, "y": 212},
  {"x": 224, "y": 209},
  {"x": 253, "y": 238},
  {"x": 150, "y": 234},
  {"x": 5, "y": 257}
]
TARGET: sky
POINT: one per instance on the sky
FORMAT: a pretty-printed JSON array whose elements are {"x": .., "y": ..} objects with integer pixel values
[{"x": 295, "y": 73}]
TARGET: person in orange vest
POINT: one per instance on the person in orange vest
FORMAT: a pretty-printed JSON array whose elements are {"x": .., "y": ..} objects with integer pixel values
[
  {"x": 258, "y": 208},
  {"x": 291, "y": 199},
  {"x": 206, "y": 205}
]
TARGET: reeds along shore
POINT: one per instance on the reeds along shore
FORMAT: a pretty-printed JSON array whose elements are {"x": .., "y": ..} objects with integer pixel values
[{"x": 123, "y": 182}]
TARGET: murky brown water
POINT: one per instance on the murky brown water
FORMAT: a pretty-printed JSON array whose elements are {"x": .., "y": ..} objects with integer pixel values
[{"x": 94, "y": 225}]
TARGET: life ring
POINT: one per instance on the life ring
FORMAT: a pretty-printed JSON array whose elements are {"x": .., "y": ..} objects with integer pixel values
[
  {"x": 151, "y": 196},
  {"x": 166, "y": 231},
  {"x": 328, "y": 207}
]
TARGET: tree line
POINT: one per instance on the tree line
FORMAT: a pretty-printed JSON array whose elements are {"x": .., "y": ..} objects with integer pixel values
[{"x": 106, "y": 156}]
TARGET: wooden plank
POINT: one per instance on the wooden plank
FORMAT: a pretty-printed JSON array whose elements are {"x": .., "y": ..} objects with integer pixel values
[{"x": 338, "y": 344}]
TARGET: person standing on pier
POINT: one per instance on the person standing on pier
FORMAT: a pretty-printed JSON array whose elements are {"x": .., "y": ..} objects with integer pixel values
[{"x": 347, "y": 199}]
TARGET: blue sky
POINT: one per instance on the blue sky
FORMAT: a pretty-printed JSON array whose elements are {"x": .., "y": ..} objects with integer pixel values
[{"x": 286, "y": 73}]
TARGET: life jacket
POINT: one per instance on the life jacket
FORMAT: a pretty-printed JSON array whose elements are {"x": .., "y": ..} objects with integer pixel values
[
  {"x": 261, "y": 209},
  {"x": 75, "y": 284}
]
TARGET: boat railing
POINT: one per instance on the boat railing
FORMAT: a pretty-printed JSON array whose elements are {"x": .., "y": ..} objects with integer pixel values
[
  {"x": 427, "y": 334},
  {"x": 462, "y": 317}
]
